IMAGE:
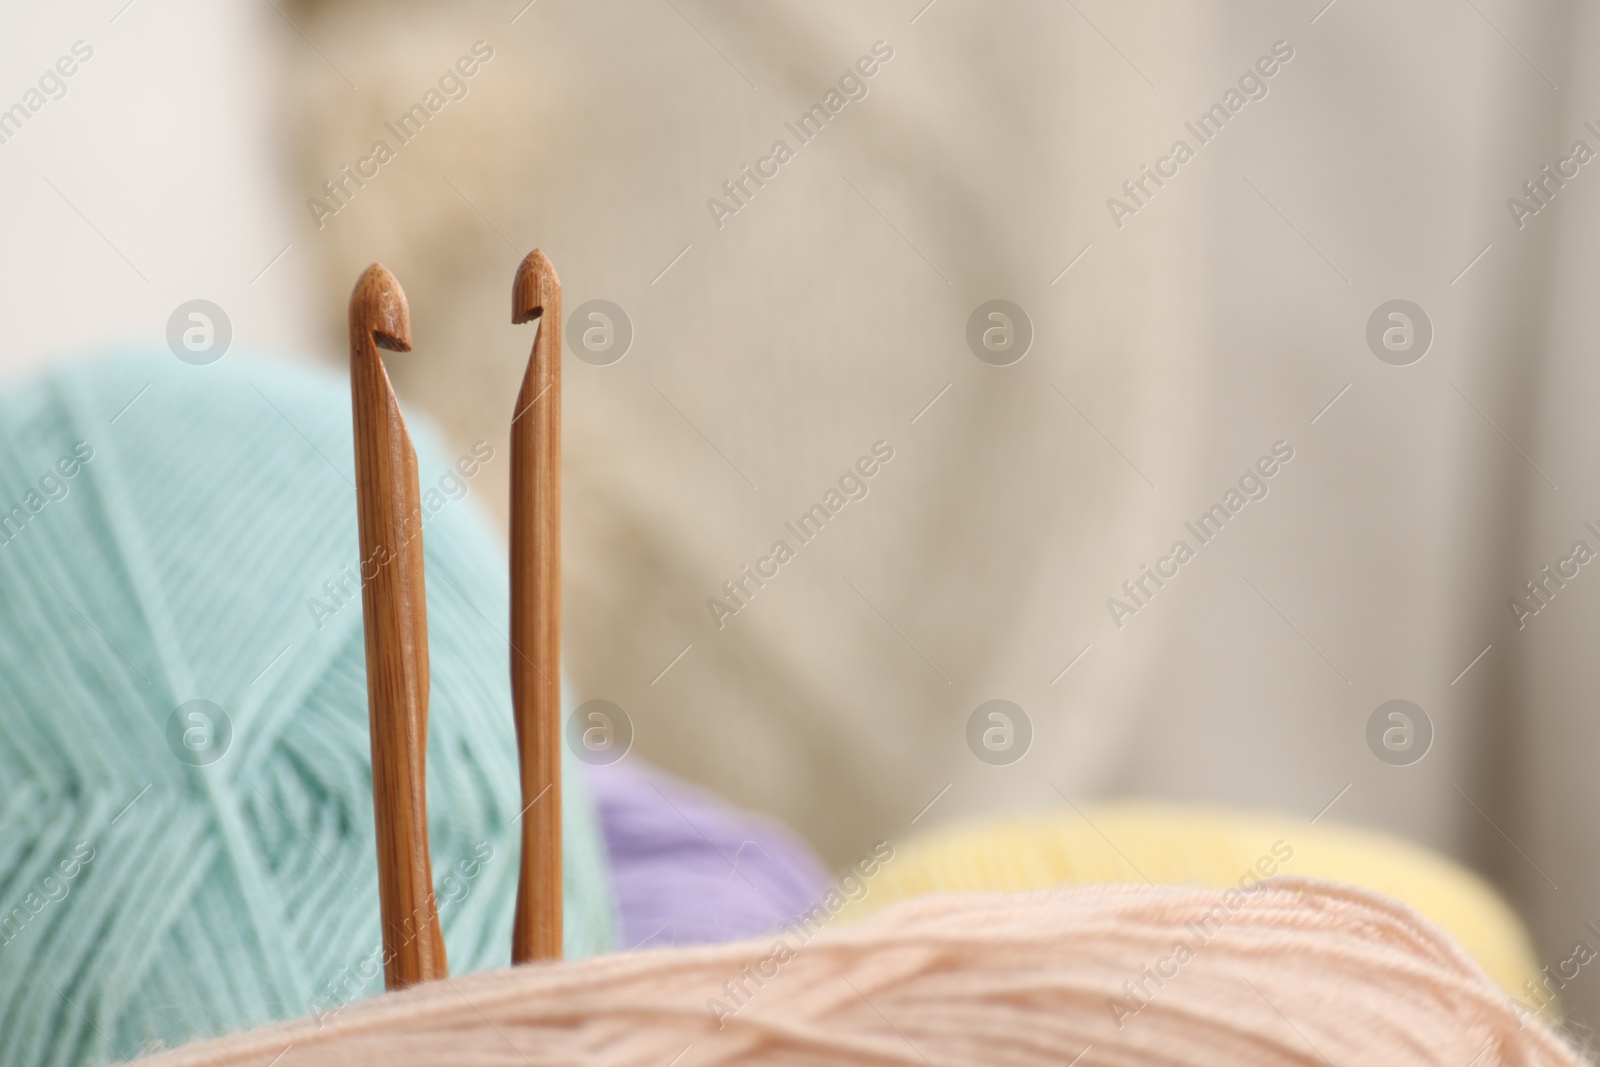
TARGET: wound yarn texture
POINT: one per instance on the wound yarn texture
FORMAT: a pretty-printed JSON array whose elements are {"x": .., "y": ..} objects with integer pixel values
[
  {"x": 1307, "y": 973},
  {"x": 173, "y": 534}
]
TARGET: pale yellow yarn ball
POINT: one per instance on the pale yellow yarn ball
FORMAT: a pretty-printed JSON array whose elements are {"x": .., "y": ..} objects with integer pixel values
[{"x": 1169, "y": 845}]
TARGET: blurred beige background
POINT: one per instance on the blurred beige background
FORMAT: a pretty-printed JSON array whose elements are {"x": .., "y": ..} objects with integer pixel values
[{"x": 770, "y": 353}]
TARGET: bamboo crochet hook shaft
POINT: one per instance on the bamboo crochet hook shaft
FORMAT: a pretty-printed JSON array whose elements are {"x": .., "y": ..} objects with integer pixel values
[
  {"x": 393, "y": 607},
  {"x": 536, "y": 611}
]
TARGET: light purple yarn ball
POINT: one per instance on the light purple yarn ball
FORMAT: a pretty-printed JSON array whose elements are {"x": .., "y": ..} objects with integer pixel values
[{"x": 690, "y": 868}]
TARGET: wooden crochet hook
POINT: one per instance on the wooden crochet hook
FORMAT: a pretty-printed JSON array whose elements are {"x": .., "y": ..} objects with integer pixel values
[
  {"x": 394, "y": 609},
  {"x": 536, "y": 611}
]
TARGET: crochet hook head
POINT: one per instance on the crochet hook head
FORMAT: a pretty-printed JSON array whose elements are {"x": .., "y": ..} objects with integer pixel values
[
  {"x": 535, "y": 285},
  {"x": 378, "y": 309}
]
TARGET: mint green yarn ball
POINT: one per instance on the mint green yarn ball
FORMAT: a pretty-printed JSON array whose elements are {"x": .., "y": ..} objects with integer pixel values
[{"x": 186, "y": 839}]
